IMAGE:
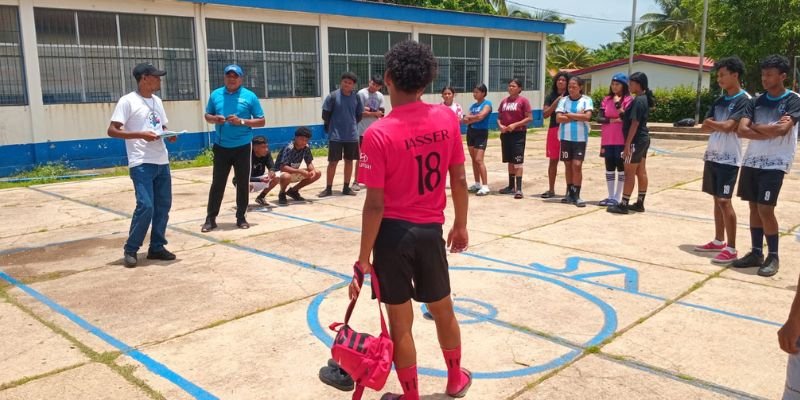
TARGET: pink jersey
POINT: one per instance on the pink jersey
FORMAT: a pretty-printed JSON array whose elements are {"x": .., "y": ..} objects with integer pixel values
[
  {"x": 611, "y": 133},
  {"x": 408, "y": 154},
  {"x": 514, "y": 110}
]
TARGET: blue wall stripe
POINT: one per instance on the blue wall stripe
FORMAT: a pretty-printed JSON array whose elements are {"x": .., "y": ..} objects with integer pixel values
[
  {"x": 151, "y": 364},
  {"x": 363, "y": 9},
  {"x": 110, "y": 152}
]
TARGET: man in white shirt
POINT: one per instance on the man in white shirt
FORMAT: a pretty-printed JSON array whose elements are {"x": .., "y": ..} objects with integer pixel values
[
  {"x": 139, "y": 118},
  {"x": 372, "y": 99}
]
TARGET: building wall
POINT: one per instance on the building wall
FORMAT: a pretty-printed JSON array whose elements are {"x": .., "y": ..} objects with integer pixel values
[
  {"x": 39, "y": 133},
  {"x": 660, "y": 76}
]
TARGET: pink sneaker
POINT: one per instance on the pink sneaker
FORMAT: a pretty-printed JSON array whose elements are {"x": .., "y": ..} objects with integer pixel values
[
  {"x": 725, "y": 257},
  {"x": 710, "y": 246}
]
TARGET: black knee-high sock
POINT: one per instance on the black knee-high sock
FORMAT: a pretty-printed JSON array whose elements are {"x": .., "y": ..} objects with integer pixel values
[
  {"x": 640, "y": 199},
  {"x": 511, "y": 180}
]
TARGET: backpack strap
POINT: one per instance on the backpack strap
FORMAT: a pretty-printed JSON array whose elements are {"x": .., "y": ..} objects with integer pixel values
[
  {"x": 358, "y": 392},
  {"x": 358, "y": 277}
]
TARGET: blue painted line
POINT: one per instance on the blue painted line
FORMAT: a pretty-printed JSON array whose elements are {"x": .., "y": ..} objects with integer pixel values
[
  {"x": 151, "y": 364},
  {"x": 476, "y": 317},
  {"x": 608, "y": 328},
  {"x": 323, "y": 223},
  {"x": 549, "y": 270},
  {"x": 660, "y": 151}
]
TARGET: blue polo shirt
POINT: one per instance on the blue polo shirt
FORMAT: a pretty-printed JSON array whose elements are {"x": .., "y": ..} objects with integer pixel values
[{"x": 244, "y": 104}]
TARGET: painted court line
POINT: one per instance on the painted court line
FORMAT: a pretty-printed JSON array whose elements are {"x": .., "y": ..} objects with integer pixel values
[
  {"x": 149, "y": 363},
  {"x": 652, "y": 370}
]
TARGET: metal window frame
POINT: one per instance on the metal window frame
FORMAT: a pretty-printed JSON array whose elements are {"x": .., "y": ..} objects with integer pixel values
[
  {"x": 531, "y": 75},
  {"x": 23, "y": 83},
  {"x": 449, "y": 58},
  {"x": 355, "y": 58}
]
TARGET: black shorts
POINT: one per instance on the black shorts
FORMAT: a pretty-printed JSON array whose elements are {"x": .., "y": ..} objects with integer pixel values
[
  {"x": 572, "y": 150},
  {"x": 640, "y": 148},
  {"x": 512, "y": 145},
  {"x": 719, "y": 179},
  {"x": 411, "y": 262},
  {"x": 346, "y": 150},
  {"x": 760, "y": 185},
  {"x": 477, "y": 138}
]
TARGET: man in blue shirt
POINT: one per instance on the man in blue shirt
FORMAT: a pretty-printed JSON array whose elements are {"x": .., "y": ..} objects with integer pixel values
[
  {"x": 234, "y": 111},
  {"x": 342, "y": 111}
]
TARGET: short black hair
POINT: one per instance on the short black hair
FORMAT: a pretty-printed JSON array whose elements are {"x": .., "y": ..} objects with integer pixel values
[
  {"x": 260, "y": 140},
  {"x": 559, "y": 75},
  {"x": 411, "y": 65},
  {"x": 448, "y": 87},
  {"x": 349, "y": 75},
  {"x": 377, "y": 79},
  {"x": 732, "y": 64},
  {"x": 481, "y": 88},
  {"x": 776, "y": 61},
  {"x": 303, "y": 131},
  {"x": 517, "y": 81}
]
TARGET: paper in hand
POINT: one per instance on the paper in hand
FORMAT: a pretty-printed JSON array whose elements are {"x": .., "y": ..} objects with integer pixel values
[{"x": 166, "y": 134}]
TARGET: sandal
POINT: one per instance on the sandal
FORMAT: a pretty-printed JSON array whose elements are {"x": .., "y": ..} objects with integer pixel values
[{"x": 548, "y": 194}]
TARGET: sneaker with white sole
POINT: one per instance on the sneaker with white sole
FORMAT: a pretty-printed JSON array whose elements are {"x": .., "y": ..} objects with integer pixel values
[
  {"x": 484, "y": 190},
  {"x": 725, "y": 257},
  {"x": 710, "y": 246},
  {"x": 474, "y": 188}
]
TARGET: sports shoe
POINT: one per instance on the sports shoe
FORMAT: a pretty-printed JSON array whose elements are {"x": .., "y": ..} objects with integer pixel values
[
  {"x": 333, "y": 375},
  {"x": 164, "y": 255},
  {"x": 348, "y": 192},
  {"x": 325, "y": 193},
  {"x": 770, "y": 266},
  {"x": 427, "y": 315},
  {"x": 618, "y": 209},
  {"x": 242, "y": 223},
  {"x": 568, "y": 199},
  {"x": 391, "y": 396},
  {"x": 282, "y": 199},
  {"x": 546, "y": 195},
  {"x": 474, "y": 188},
  {"x": 209, "y": 225},
  {"x": 295, "y": 195},
  {"x": 356, "y": 187},
  {"x": 710, "y": 246},
  {"x": 484, "y": 190},
  {"x": 261, "y": 201},
  {"x": 748, "y": 261},
  {"x": 130, "y": 260},
  {"x": 725, "y": 257},
  {"x": 518, "y": 195},
  {"x": 637, "y": 207},
  {"x": 580, "y": 203},
  {"x": 506, "y": 190}
]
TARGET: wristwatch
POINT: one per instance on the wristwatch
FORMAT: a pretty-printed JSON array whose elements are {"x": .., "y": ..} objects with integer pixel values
[{"x": 241, "y": 122}]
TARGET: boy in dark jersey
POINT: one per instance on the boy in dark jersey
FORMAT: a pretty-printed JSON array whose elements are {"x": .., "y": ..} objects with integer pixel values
[
  {"x": 723, "y": 156},
  {"x": 771, "y": 126},
  {"x": 405, "y": 160}
]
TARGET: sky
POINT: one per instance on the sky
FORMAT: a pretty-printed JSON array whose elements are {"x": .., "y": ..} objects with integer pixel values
[{"x": 585, "y": 31}]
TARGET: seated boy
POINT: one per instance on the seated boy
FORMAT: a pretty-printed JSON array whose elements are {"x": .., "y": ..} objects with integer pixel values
[
  {"x": 288, "y": 167},
  {"x": 262, "y": 176}
]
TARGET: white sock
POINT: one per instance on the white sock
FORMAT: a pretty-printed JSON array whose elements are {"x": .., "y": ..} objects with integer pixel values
[
  {"x": 610, "y": 183},
  {"x": 620, "y": 185},
  {"x": 485, "y": 187},
  {"x": 477, "y": 184},
  {"x": 730, "y": 249},
  {"x": 717, "y": 242}
]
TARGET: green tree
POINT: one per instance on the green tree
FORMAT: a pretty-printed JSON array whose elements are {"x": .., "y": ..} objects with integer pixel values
[
  {"x": 476, "y": 6},
  {"x": 674, "y": 22},
  {"x": 568, "y": 55},
  {"x": 645, "y": 45}
]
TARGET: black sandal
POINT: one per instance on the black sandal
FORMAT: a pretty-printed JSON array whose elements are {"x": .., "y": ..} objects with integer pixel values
[{"x": 548, "y": 194}]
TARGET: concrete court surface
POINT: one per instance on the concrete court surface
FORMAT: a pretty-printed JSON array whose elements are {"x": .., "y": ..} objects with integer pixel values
[{"x": 555, "y": 302}]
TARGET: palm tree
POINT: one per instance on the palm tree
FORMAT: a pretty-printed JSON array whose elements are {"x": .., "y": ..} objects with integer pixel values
[
  {"x": 500, "y": 6},
  {"x": 541, "y": 15},
  {"x": 568, "y": 55},
  {"x": 673, "y": 23}
]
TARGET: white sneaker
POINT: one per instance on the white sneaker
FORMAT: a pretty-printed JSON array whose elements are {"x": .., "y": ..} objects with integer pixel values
[
  {"x": 475, "y": 187},
  {"x": 483, "y": 191}
]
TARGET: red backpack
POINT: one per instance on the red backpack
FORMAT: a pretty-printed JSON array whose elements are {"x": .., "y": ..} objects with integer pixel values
[{"x": 367, "y": 359}]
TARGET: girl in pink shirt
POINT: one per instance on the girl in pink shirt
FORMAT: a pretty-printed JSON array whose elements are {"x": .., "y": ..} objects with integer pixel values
[{"x": 612, "y": 142}]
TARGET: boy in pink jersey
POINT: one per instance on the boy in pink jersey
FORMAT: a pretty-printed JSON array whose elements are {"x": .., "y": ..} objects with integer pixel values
[{"x": 405, "y": 159}]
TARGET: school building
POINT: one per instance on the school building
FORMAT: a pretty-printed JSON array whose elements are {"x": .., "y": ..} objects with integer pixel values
[{"x": 64, "y": 64}]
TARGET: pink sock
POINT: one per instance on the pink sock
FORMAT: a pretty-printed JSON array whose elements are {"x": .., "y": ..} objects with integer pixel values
[
  {"x": 456, "y": 379},
  {"x": 408, "y": 380}
]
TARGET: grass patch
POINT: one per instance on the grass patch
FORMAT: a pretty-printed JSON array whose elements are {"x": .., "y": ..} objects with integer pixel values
[
  {"x": 20, "y": 382},
  {"x": 593, "y": 349},
  {"x": 204, "y": 159},
  {"x": 44, "y": 173},
  {"x": 594, "y": 134},
  {"x": 319, "y": 151}
]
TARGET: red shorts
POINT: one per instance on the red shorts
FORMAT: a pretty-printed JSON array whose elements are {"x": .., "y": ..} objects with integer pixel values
[{"x": 553, "y": 148}]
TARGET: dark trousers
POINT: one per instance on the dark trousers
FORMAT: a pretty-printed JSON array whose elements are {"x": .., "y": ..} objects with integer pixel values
[{"x": 224, "y": 159}]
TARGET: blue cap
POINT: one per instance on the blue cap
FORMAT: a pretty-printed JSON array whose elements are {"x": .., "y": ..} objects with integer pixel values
[
  {"x": 238, "y": 69},
  {"x": 620, "y": 77}
]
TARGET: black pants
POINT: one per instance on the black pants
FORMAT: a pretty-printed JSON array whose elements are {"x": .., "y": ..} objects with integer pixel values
[{"x": 224, "y": 159}]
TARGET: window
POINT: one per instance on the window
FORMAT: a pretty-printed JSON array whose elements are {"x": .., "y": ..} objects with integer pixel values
[
  {"x": 87, "y": 57},
  {"x": 12, "y": 73},
  {"x": 514, "y": 59},
  {"x": 360, "y": 52},
  {"x": 459, "y": 61},
  {"x": 278, "y": 60}
]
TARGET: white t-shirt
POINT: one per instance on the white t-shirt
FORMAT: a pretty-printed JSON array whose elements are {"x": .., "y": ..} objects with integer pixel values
[
  {"x": 777, "y": 152},
  {"x": 373, "y": 101},
  {"x": 456, "y": 109},
  {"x": 726, "y": 147},
  {"x": 137, "y": 114}
]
